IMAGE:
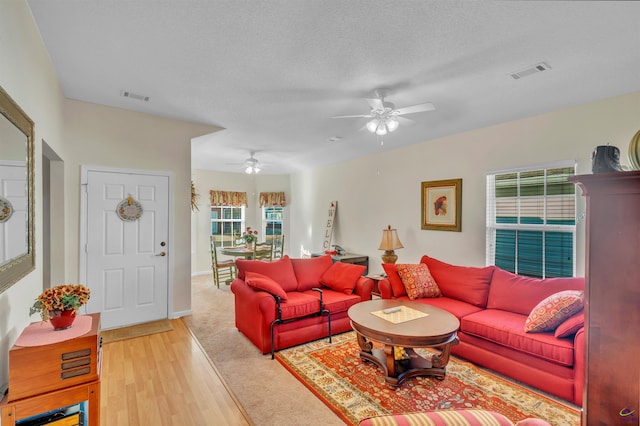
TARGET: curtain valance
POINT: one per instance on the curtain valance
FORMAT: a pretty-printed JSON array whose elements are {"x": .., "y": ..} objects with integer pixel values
[
  {"x": 271, "y": 199},
  {"x": 228, "y": 198}
]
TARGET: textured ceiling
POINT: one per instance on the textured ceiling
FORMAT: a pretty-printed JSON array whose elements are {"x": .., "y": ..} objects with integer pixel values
[{"x": 273, "y": 73}]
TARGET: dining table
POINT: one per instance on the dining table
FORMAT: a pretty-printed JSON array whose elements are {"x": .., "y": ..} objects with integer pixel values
[{"x": 246, "y": 252}]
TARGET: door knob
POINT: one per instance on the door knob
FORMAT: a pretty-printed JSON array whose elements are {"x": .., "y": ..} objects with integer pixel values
[{"x": 161, "y": 254}]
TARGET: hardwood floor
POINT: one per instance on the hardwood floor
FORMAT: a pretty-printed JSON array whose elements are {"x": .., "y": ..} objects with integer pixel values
[{"x": 164, "y": 379}]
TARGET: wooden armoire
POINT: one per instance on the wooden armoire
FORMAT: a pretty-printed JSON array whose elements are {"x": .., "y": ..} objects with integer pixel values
[{"x": 612, "y": 294}]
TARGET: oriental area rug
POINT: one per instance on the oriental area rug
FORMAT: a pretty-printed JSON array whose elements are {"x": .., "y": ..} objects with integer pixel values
[{"x": 356, "y": 390}]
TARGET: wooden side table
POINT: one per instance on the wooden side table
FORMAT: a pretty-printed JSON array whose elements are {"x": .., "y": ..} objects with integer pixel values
[
  {"x": 11, "y": 412},
  {"x": 376, "y": 278},
  {"x": 46, "y": 377},
  {"x": 356, "y": 259}
]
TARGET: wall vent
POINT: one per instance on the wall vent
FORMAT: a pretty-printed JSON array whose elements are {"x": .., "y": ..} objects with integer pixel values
[
  {"x": 135, "y": 96},
  {"x": 529, "y": 71}
]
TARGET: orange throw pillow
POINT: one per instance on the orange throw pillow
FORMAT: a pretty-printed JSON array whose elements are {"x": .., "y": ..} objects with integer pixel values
[
  {"x": 418, "y": 281},
  {"x": 262, "y": 282},
  {"x": 554, "y": 310},
  {"x": 397, "y": 287},
  {"x": 342, "y": 276}
]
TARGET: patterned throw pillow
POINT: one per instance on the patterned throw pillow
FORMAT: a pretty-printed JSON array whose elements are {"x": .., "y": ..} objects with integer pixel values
[
  {"x": 418, "y": 281},
  {"x": 471, "y": 417},
  {"x": 554, "y": 310}
]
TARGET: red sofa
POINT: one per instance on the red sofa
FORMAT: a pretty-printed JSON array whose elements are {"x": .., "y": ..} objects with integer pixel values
[
  {"x": 276, "y": 306},
  {"x": 492, "y": 306}
]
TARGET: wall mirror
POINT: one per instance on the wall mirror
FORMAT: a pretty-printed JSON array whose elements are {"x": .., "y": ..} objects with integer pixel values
[{"x": 17, "y": 257}]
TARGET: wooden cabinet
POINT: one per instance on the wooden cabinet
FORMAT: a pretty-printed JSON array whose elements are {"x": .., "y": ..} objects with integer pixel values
[
  {"x": 52, "y": 376},
  {"x": 11, "y": 412},
  {"x": 356, "y": 259},
  {"x": 611, "y": 393}
]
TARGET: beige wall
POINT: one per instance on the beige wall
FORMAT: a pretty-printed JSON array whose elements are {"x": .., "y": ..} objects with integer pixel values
[
  {"x": 102, "y": 136},
  {"x": 384, "y": 189},
  {"x": 27, "y": 76}
]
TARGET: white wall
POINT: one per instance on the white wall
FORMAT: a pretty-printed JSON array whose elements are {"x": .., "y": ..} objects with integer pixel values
[
  {"x": 384, "y": 189},
  {"x": 253, "y": 185}
]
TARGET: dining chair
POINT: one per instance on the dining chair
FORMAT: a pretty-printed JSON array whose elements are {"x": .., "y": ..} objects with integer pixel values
[
  {"x": 224, "y": 270},
  {"x": 277, "y": 246},
  {"x": 265, "y": 255}
]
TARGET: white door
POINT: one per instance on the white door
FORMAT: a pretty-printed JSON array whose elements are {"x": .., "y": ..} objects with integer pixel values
[
  {"x": 13, "y": 206},
  {"x": 127, "y": 258}
]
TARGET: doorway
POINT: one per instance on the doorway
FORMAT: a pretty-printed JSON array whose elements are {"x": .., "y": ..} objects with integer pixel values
[
  {"x": 53, "y": 235},
  {"x": 125, "y": 249}
]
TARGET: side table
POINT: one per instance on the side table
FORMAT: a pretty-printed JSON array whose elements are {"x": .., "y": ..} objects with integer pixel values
[
  {"x": 376, "y": 278},
  {"x": 357, "y": 259}
]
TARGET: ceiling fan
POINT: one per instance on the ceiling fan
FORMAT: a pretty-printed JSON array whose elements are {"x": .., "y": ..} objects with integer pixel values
[
  {"x": 385, "y": 117},
  {"x": 252, "y": 165}
]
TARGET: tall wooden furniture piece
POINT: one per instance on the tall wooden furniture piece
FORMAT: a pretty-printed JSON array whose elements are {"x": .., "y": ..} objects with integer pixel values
[
  {"x": 48, "y": 377},
  {"x": 612, "y": 294},
  {"x": 225, "y": 270}
]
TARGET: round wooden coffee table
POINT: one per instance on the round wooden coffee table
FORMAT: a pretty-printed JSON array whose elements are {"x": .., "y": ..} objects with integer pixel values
[{"x": 414, "y": 325}]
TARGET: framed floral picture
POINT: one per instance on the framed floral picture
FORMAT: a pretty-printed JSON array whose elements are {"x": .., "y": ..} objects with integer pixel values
[{"x": 442, "y": 205}]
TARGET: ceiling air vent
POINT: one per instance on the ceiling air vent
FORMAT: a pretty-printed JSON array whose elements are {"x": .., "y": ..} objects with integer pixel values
[
  {"x": 529, "y": 71},
  {"x": 135, "y": 96}
]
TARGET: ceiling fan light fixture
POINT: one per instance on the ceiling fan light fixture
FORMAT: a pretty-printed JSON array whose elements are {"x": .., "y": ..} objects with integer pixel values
[
  {"x": 392, "y": 124},
  {"x": 373, "y": 125},
  {"x": 382, "y": 129}
]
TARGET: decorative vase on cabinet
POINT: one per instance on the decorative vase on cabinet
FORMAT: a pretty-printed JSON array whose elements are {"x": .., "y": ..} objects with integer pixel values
[{"x": 61, "y": 320}]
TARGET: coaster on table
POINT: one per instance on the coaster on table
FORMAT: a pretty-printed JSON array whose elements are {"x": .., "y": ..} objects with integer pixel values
[{"x": 403, "y": 314}]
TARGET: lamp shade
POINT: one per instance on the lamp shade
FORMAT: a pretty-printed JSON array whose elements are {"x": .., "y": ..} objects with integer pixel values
[{"x": 390, "y": 240}]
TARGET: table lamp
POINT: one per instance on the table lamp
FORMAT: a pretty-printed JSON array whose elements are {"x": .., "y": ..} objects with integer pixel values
[{"x": 389, "y": 243}]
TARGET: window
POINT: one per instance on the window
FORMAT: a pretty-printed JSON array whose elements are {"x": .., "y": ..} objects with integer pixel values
[
  {"x": 531, "y": 221},
  {"x": 272, "y": 222},
  {"x": 227, "y": 224}
]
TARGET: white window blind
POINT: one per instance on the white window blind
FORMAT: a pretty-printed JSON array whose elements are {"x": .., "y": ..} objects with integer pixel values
[{"x": 531, "y": 224}]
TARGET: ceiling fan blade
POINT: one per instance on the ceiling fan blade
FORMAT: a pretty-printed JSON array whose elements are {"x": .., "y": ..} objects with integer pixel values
[
  {"x": 405, "y": 121},
  {"x": 428, "y": 106},
  {"x": 375, "y": 103},
  {"x": 354, "y": 116}
]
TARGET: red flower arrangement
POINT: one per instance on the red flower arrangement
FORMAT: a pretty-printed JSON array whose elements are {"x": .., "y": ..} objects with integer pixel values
[
  {"x": 249, "y": 236},
  {"x": 60, "y": 298}
]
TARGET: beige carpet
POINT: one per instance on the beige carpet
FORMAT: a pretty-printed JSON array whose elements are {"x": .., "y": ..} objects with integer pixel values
[
  {"x": 266, "y": 390},
  {"x": 137, "y": 330}
]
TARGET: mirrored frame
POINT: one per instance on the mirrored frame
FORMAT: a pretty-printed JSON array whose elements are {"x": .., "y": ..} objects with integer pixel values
[{"x": 17, "y": 267}]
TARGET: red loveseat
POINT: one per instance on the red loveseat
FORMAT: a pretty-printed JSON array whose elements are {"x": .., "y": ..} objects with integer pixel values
[
  {"x": 493, "y": 306},
  {"x": 293, "y": 301}
]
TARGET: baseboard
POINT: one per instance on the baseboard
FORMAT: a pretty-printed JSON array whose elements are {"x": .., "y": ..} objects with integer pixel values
[
  {"x": 180, "y": 314},
  {"x": 197, "y": 274}
]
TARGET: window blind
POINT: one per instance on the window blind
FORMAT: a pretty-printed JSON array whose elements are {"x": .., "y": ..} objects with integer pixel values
[{"x": 531, "y": 221}]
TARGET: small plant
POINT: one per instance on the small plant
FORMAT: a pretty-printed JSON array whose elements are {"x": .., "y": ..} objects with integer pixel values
[
  {"x": 60, "y": 298},
  {"x": 249, "y": 237}
]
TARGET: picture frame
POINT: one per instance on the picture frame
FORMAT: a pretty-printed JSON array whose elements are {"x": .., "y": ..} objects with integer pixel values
[{"x": 442, "y": 205}]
